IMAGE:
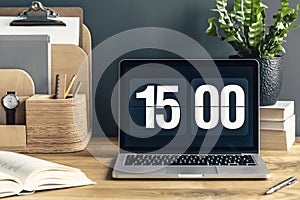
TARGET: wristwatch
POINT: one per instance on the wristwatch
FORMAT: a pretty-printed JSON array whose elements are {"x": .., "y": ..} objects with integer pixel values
[{"x": 10, "y": 102}]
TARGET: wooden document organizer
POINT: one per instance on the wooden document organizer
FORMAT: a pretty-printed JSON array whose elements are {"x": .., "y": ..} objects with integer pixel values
[{"x": 51, "y": 125}]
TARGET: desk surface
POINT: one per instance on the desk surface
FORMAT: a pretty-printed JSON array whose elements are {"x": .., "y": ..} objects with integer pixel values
[{"x": 281, "y": 164}]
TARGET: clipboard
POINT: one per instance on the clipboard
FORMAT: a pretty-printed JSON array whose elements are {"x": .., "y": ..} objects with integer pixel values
[
  {"x": 66, "y": 59},
  {"x": 37, "y": 15},
  {"x": 84, "y": 34}
]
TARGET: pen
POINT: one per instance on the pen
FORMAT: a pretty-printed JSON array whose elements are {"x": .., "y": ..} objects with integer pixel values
[
  {"x": 282, "y": 184},
  {"x": 76, "y": 90}
]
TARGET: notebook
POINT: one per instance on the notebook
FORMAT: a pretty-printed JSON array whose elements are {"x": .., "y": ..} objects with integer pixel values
[
  {"x": 32, "y": 53},
  {"x": 189, "y": 119}
]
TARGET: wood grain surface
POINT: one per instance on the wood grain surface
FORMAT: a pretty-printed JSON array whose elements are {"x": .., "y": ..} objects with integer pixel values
[
  {"x": 20, "y": 82},
  {"x": 52, "y": 122},
  {"x": 16, "y": 80},
  {"x": 52, "y": 126},
  {"x": 281, "y": 164},
  {"x": 13, "y": 135}
]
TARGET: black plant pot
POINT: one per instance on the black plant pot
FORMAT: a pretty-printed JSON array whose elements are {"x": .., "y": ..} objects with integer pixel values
[{"x": 270, "y": 79}]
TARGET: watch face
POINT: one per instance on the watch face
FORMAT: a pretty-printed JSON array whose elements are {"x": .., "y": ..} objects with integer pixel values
[{"x": 10, "y": 101}]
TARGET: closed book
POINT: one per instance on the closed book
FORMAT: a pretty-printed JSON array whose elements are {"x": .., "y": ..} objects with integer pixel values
[
  {"x": 278, "y": 125},
  {"x": 278, "y": 139},
  {"x": 281, "y": 111}
]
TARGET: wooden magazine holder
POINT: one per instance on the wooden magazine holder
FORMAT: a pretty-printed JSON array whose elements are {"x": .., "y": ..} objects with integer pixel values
[{"x": 46, "y": 125}]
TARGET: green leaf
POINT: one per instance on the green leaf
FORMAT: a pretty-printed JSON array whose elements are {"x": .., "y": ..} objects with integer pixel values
[
  {"x": 285, "y": 3},
  {"x": 294, "y": 27},
  {"x": 298, "y": 7},
  {"x": 212, "y": 29},
  {"x": 222, "y": 10},
  {"x": 256, "y": 34},
  {"x": 238, "y": 10},
  {"x": 231, "y": 39},
  {"x": 277, "y": 49}
]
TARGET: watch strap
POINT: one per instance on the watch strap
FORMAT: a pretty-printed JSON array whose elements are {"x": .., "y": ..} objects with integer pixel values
[
  {"x": 10, "y": 92},
  {"x": 10, "y": 116}
]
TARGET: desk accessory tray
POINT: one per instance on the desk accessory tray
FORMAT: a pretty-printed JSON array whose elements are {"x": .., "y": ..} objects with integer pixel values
[
  {"x": 52, "y": 126},
  {"x": 68, "y": 135}
]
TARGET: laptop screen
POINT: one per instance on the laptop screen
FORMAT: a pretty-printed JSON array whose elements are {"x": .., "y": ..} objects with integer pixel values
[{"x": 195, "y": 106}]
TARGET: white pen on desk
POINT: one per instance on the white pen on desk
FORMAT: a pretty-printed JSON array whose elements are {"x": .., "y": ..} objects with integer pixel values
[{"x": 282, "y": 184}]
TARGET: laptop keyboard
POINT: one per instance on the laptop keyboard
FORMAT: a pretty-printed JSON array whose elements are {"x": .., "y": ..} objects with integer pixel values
[{"x": 204, "y": 160}]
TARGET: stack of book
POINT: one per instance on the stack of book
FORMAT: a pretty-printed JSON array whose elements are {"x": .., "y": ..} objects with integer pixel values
[{"x": 277, "y": 126}]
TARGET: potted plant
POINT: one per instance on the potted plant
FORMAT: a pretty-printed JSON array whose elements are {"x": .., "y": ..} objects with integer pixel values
[{"x": 244, "y": 28}]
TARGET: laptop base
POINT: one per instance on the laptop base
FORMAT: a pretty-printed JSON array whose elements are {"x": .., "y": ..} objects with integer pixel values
[{"x": 122, "y": 171}]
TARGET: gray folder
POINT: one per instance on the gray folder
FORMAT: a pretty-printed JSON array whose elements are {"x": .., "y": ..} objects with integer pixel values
[{"x": 31, "y": 53}]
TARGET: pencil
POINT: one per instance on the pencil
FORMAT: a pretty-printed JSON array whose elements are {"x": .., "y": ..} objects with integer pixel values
[{"x": 71, "y": 83}]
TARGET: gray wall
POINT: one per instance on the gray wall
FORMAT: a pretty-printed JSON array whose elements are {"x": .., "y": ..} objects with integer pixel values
[{"x": 109, "y": 17}]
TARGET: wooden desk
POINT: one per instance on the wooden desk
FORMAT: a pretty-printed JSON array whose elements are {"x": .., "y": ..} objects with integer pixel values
[{"x": 281, "y": 164}]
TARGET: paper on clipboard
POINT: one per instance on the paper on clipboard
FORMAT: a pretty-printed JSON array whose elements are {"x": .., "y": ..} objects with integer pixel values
[{"x": 68, "y": 34}]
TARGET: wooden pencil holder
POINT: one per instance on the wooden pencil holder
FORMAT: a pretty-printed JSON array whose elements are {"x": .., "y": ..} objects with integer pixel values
[{"x": 56, "y": 125}]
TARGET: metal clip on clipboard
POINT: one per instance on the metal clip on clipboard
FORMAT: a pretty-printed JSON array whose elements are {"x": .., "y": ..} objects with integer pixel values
[{"x": 37, "y": 15}]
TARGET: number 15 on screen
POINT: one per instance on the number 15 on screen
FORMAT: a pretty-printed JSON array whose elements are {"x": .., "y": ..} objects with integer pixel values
[{"x": 219, "y": 106}]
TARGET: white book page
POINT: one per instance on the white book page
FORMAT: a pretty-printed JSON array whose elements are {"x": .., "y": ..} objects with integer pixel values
[
  {"x": 68, "y": 34},
  {"x": 58, "y": 179},
  {"x": 22, "y": 166},
  {"x": 36, "y": 174},
  {"x": 9, "y": 185}
]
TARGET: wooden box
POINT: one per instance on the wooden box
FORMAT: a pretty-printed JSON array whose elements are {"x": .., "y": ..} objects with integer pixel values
[{"x": 56, "y": 125}]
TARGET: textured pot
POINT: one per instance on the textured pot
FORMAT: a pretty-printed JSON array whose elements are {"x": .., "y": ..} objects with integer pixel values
[
  {"x": 271, "y": 75},
  {"x": 270, "y": 80}
]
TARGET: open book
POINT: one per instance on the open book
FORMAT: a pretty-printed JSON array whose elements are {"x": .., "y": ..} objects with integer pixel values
[{"x": 21, "y": 174}]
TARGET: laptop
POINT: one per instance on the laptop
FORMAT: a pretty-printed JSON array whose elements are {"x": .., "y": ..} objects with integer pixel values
[{"x": 189, "y": 119}]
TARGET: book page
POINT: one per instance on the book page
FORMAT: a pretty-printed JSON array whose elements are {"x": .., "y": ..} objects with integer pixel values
[
  {"x": 21, "y": 166},
  {"x": 37, "y": 174},
  {"x": 58, "y": 179},
  {"x": 9, "y": 185}
]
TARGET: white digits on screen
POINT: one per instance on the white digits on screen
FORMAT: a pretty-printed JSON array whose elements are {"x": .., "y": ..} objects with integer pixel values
[
  {"x": 240, "y": 107},
  {"x": 161, "y": 103},
  {"x": 149, "y": 95},
  {"x": 214, "y": 106}
]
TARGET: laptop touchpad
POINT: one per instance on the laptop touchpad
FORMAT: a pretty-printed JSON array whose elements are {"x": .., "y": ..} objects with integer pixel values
[{"x": 192, "y": 170}]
